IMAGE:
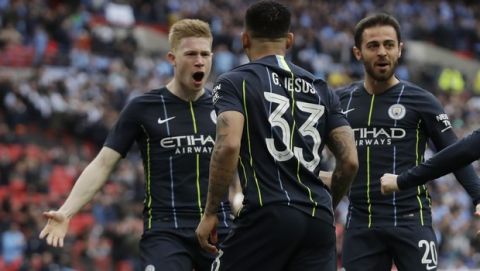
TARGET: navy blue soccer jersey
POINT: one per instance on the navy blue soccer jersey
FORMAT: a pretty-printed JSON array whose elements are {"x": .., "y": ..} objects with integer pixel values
[
  {"x": 288, "y": 116},
  {"x": 176, "y": 139},
  {"x": 391, "y": 133}
]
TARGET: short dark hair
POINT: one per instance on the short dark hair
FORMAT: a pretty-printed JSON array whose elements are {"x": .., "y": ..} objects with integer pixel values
[
  {"x": 379, "y": 19},
  {"x": 267, "y": 19}
]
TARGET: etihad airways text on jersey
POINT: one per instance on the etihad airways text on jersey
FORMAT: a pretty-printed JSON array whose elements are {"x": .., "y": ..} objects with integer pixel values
[{"x": 377, "y": 136}]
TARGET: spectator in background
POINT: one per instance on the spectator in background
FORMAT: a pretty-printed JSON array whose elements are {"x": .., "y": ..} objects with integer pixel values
[
  {"x": 13, "y": 244},
  {"x": 223, "y": 59},
  {"x": 40, "y": 43},
  {"x": 9, "y": 35}
]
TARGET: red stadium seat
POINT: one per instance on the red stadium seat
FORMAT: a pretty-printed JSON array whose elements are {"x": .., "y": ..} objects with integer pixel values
[
  {"x": 15, "y": 151},
  {"x": 80, "y": 223},
  {"x": 61, "y": 181}
]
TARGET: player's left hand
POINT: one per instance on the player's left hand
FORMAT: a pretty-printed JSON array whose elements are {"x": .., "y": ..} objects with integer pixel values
[
  {"x": 207, "y": 230},
  {"x": 389, "y": 183}
]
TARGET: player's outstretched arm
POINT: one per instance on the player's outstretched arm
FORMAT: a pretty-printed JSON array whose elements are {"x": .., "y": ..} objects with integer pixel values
[
  {"x": 90, "y": 181},
  {"x": 452, "y": 158},
  {"x": 223, "y": 166},
  {"x": 341, "y": 143}
]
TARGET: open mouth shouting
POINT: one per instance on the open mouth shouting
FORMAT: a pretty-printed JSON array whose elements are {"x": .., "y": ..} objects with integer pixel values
[{"x": 197, "y": 78}]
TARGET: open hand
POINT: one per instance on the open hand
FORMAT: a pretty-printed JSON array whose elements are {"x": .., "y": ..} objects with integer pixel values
[{"x": 55, "y": 229}]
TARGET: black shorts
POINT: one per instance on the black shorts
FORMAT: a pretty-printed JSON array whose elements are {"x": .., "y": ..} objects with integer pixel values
[
  {"x": 175, "y": 250},
  {"x": 410, "y": 248},
  {"x": 278, "y": 238}
]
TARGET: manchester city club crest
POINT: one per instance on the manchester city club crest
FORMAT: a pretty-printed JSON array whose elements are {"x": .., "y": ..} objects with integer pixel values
[{"x": 396, "y": 111}]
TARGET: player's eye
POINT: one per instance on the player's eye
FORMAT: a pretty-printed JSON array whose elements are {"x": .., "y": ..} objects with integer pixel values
[{"x": 389, "y": 45}]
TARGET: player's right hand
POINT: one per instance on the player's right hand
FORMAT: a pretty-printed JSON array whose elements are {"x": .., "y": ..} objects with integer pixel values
[
  {"x": 207, "y": 230},
  {"x": 56, "y": 228},
  {"x": 389, "y": 183}
]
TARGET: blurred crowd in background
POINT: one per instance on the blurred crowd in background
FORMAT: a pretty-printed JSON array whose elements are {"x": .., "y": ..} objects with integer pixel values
[{"x": 68, "y": 67}]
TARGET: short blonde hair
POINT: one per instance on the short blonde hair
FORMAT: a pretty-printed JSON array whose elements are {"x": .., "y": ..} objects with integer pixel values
[{"x": 186, "y": 28}]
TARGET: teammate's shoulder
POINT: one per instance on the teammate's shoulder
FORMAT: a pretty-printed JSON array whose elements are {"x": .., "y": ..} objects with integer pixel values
[
  {"x": 300, "y": 71},
  {"x": 232, "y": 74},
  {"x": 146, "y": 96},
  {"x": 246, "y": 72},
  {"x": 348, "y": 89},
  {"x": 412, "y": 86},
  {"x": 417, "y": 90},
  {"x": 157, "y": 91}
]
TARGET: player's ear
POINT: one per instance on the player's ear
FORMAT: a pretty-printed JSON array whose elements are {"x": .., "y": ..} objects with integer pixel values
[
  {"x": 245, "y": 40},
  {"x": 289, "y": 40},
  {"x": 171, "y": 58},
  {"x": 400, "y": 49},
  {"x": 357, "y": 53}
]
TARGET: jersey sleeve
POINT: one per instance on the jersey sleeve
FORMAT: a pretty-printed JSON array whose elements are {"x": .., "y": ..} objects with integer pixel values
[
  {"x": 336, "y": 118},
  {"x": 436, "y": 122},
  {"x": 451, "y": 158},
  {"x": 227, "y": 96},
  {"x": 121, "y": 137},
  {"x": 441, "y": 133}
]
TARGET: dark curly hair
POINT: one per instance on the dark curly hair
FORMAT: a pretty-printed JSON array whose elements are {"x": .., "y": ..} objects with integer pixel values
[
  {"x": 379, "y": 19},
  {"x": 268, "y": 19}
]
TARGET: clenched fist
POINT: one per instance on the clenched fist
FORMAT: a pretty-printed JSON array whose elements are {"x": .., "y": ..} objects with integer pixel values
[{"x": 389, "y": 183}]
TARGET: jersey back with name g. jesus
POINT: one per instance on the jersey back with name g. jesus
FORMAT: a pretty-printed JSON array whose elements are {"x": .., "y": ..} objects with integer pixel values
[
  {"x": 288, "y": 116},
  {"x": 176, "y": 139}
]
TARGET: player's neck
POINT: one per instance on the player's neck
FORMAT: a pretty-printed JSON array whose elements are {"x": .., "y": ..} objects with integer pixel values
[
  {"x": 375, "y": 87},
  {"x": 262, "y": 49},
  {"x": 184, "y": 93}
]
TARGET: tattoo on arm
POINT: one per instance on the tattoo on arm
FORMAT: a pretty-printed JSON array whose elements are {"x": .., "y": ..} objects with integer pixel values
[
  {"x": 342, "y": 144},
  {"x": 222, "y": 167}
]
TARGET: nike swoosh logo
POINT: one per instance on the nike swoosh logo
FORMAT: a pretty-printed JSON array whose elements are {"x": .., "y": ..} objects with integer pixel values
[
  {"x": 346, "y": 111},
  {"x": 160, "y": 121},
  {"x": 431, "y": 267}
]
